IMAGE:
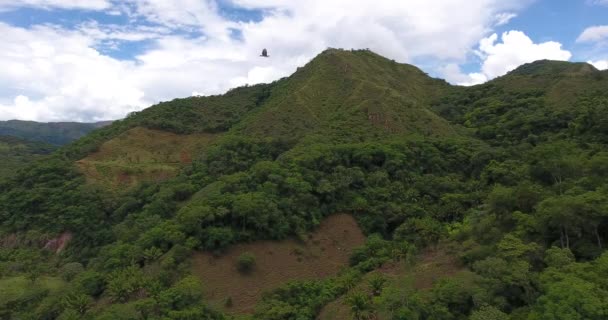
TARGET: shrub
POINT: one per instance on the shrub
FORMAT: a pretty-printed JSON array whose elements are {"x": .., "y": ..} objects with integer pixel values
[
  {"x": 70, "y": 270},
  {"x": 228, "y": 303},
  {"x": 245, "y": 262}
]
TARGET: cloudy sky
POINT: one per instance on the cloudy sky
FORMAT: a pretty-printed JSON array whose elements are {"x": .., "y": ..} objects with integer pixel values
[{"x": 89, "y": 60}]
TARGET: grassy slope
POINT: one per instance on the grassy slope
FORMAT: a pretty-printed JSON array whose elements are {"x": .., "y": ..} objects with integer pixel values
[
  {"x": 19, "y": 289},
  {"x": 16, "y": 153},
  {"x": 141, "y": 154},
  {"x": 561, "y": 82},
  {"x": 350, "y": 96},
  {"x": 432, "y": 266},
  {"x": 346, "y": 96}
]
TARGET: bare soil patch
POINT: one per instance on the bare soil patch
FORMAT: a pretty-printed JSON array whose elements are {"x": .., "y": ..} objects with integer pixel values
[
  {"x": 141, "y": 154},
  {"x": 322, "y": 254}
]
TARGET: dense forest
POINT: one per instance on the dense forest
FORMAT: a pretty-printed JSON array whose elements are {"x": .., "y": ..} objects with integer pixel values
[
  {"x": 509, "y": 177},
  {"x": 17, "y": 153}
]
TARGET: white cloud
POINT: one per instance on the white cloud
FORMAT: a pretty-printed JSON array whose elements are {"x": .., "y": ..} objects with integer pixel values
[
  {"x": 57, "y": 74},
  {"x": 504, "y": 18},
  {"x": 593, "y": 34},
  {"x": 516, "y": 49},
  {"x": 201, "y": 15},
  {"x": 598, "y": 2},
  {"x": 454, "y": 74},
  {"x": 599, "y": 64},
  {"x": 499, "y": 58},
  {"x": 52, "y": 4}
]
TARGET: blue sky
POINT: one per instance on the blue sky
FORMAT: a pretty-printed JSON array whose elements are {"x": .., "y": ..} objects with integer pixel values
[{"x": 101, "y": 59}]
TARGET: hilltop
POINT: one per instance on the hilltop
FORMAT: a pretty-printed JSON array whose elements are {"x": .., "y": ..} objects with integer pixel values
[{"x": 483, "y": 202}]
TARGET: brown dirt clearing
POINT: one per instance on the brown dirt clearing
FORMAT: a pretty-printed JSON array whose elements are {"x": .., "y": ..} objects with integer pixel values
[{"x": 322, "y": 254}]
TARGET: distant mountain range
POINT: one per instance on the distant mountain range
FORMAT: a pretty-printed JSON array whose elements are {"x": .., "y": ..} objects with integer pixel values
[{"x": 56, "y": 133}]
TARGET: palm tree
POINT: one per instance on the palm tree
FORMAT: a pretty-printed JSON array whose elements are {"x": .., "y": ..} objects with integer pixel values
[{"x": 360, "y": 306}]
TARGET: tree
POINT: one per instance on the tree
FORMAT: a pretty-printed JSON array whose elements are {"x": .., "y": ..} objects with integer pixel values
[
  {"x": 558, "y": 257},
  {"x": 124, "y": 282},
  {"x": 78, "y": 302},
  {"x": 360, "y": 305},
  {"x": 488, "y": 313},
  {"x": 70, "y": 270},
  {"x": 571, "y": 298},
  {"x": 422, "y": 231},
  {"x": 376, "y": 283},
  {"x": 561, "y": 212}
]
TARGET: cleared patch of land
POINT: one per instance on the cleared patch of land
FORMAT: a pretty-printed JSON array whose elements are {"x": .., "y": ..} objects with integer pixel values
[
  {"x": 323, "y": 253},
  {"x": 142, "y": 154},
  {"x": 431, "y": 266}
]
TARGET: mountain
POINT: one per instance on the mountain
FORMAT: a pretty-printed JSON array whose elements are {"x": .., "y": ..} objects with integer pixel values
[
  {"x": 16, "y": 153},
  {"x": 357, "y": 187},
  {"x": 362, "y": 92},
  {"x": 57, "y": 133}
]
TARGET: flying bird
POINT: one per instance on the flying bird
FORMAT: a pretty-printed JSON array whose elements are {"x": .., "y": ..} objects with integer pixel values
[{"x": 264, "y": 53}]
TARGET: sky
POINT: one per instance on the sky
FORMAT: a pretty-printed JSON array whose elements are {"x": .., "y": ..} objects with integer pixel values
[{"x": 92, "y": 60}]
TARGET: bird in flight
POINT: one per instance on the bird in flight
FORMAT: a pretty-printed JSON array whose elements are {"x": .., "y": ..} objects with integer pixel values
[{"x": 264, "y": 53}]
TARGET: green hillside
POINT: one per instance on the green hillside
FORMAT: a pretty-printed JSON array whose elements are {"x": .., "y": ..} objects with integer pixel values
[
  {"x": 483, "y": 202},
  {"x": 57, "y": 133},
  {"x": 350, "y": 96},
  {"x": 16, "y": 153}
]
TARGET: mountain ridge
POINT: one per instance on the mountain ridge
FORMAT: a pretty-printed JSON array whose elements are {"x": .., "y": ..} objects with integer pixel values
[
  {"x": 57, "y": 133},
  {"x": 505, "y": 180}
]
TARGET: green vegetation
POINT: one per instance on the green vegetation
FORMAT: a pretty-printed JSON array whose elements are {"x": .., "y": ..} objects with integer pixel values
[
  {"x": 245, "y": 263},
  {"x": 55, "y": 133},
  {"x": 16, "y": 153},
  {"x": 511, "y": 175}
]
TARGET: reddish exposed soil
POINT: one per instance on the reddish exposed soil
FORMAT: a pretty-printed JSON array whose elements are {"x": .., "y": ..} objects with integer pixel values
[
  {"x": 323, "y": 254},
  {"x": 48, "y": 242}
]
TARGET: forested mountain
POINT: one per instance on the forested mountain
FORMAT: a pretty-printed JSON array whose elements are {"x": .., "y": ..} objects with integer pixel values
[
  {"x": 16, "y": 153},
  {"x": 57, "y": 133},
  {"x": 505, "y": 182}
]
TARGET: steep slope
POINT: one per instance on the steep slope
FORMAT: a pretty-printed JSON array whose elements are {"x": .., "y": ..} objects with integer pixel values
[
  {"x": 140, "y": 155},
  {"x": 533, "y": 103},
  {"x": 561, "y": 82},
  {"x": 350, "y": 96},
  {"x": 345, "y": 96},
  {"x": 152, "y": 145},
  {"x": 519, "y": 199},
  {"x": 57, "y": 133},
  {"x": 16, "y": 153}
]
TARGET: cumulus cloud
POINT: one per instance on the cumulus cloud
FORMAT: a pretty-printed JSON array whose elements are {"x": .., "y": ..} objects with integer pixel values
[
  {"x": 599, "y": 64},
  {"x": 516, "y": 49},
  {"x": 593, "y": 34},
  {"x": 498, "y": 58},
  {"x": 58, "y": 74}
]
